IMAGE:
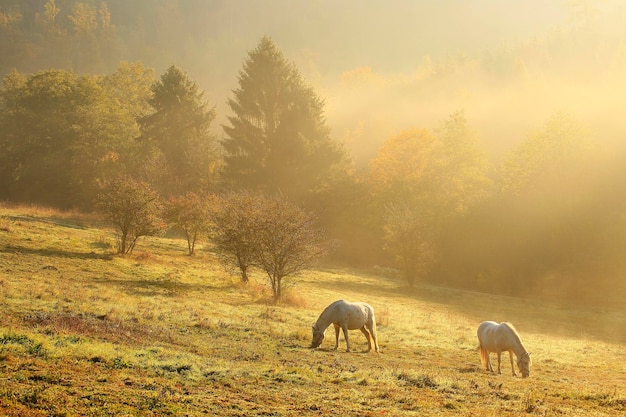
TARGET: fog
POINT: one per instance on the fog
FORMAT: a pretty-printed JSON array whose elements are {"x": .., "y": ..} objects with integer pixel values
[
  {"x": 381, "y": 66},
  {"x": 387, "y": 66}
]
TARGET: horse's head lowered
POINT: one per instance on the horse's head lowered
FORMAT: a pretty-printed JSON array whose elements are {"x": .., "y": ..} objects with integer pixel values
[
  {"x": 523, "y": 363},
  {"x": 318, "y": 337}
]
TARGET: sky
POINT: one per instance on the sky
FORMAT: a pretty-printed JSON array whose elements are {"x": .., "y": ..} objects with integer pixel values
[
  {"x": 328, "y": 37},
  {"x": 392, "y": 36}
]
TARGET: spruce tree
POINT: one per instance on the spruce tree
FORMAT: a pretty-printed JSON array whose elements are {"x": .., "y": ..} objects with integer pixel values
[
  {"x": 177, "y": 136},
  {"x": 277, "y": 140}
]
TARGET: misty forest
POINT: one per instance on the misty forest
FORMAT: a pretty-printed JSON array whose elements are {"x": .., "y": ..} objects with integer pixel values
[{"x": 490, "y": 166}]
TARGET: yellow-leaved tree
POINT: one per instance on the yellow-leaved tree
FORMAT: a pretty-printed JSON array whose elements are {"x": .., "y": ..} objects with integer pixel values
[{"x": 421, "y": 180}]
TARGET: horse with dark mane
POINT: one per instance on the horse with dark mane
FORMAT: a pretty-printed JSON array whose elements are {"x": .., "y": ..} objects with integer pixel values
[
  {"x": 494, "y": 337},
  {"x": 346, "y": 316}
]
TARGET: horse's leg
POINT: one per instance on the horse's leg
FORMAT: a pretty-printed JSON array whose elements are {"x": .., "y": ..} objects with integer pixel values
[
  {"x": 336, "y": 336},
  {"x": 511, "y": 356},
  {"x": 499, "y": 355},
  {"x": 345, "y": 336},
  {"x": 367, "y": 336}
]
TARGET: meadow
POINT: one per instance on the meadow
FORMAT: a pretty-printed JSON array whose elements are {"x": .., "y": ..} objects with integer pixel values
[{"x": 84, "y": 332}]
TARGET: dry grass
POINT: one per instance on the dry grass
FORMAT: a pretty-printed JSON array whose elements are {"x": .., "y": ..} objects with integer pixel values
[{"x": 84, "y": 332}]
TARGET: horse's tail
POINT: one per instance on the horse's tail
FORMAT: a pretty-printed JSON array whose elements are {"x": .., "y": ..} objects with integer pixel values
[
  {"x": 484, "y": 355},
  {"x": 373, "y": 325},
  {"x": 373, "y": 329}
]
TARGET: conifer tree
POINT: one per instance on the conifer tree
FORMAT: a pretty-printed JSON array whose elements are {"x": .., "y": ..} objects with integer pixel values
[
  {"x": 177, "y": 135},
  {"x": 277, "y": 140}
]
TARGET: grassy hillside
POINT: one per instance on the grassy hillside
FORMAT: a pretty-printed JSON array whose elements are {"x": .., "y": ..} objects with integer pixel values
[{"x": 83, "y": 332}]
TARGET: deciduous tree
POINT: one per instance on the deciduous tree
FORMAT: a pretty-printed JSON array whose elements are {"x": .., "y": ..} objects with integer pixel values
[
  {"x": 287, "y": 242},
  {"x": 133, "y": 208},
  {"x": 274, "y": 235},
  {"x": 421, "y": 181},
  {"x": 62, "y": 133},
  {"x": 410, "y": 237},
  {"x": 190, "y": 213},
  {"x": 558, "y": 146},
  {"x": 234, "y": 229},
  {"x": 551, "y": 209},
  {"x": 401, "y": 180}
]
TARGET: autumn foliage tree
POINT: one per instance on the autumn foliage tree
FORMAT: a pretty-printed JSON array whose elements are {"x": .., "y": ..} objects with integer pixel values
[
  {"x": 288, "y": 242},
  {"x": 274, "y": 235},
  {"x": 411, "y": 239},
  {"x": 233, "y": 228},
  {"x": 420, "y": 181},
  {"x": 133, "y": 208},
  {"x": 400, "y": 181},
  {"x": 191, "y": 213}
]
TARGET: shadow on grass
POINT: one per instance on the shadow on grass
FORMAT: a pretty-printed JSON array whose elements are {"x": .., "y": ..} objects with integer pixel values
[
  {"x": 151, "y": 288},
  {"x": 55, "y": 253},
  {"x": 88, "y": 324},
  {"x": 73, "y": 224},
  {"x": 140, "y": 287},
  {"x": 397, "y": 289}
]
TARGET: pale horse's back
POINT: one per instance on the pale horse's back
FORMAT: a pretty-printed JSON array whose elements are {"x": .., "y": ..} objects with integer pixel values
[
  {"x": 358, "y": 314},
  {"x": 490, "y": 335}
]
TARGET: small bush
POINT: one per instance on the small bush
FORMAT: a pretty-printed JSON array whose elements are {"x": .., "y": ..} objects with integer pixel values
[
  {"x": 30, "y": 346},
  {"x": 419, "y": 381}
]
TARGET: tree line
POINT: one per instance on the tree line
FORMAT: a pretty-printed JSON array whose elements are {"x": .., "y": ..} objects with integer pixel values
[{"x": 431, "y": 204}]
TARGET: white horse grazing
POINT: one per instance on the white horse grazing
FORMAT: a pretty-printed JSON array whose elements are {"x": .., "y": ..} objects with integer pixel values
[
  {"x": 494, "y": 337},
  {"x": 347, "y": 316}
]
